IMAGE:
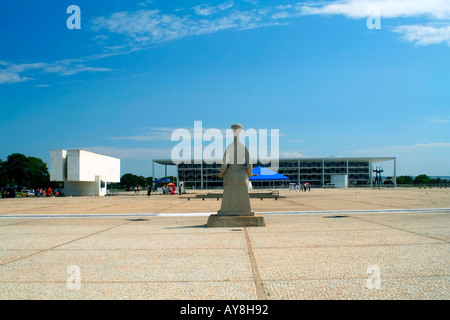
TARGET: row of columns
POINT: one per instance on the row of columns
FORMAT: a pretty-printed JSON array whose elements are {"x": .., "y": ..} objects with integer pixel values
[{"x": 394, "y": 177}]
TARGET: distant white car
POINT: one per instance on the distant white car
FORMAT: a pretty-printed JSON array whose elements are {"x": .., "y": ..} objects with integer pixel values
[{"x": 329, "y": 185}]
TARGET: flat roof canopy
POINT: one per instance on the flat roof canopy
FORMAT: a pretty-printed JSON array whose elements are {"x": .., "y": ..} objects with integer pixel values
[{"x": 169, "y": 162}]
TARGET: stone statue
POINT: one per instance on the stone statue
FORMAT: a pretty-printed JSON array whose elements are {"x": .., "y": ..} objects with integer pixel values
[
  {"x": 235, "y": 171},
  {"x": 235, "y": 210}
]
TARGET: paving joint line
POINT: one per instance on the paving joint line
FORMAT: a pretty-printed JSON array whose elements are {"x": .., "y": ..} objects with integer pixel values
[
  {"x": 131, "y": 281},
  {"x": 62, "y": 244},
  {"x": 176, "y": 204},
  {"x": 240, "y": 248},
  {"x": 228, "y": 281},
  {"x": 351, "y": 246},
  {"x": 260, "y": 293},
  {"x": 358, "y": 278},
  {"x": 399, "y": 229}
]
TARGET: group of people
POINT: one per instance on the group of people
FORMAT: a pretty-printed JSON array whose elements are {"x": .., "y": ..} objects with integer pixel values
[
  {"x": 306, "y": 186},
  {"x": 172, "y": 189},
  {"x": 46, "y": 193},
  {"x": 300, "y": 187},
  {"x": 38, "y": 192},
  {"x": 166, "y": 189},
  {"x": 137, "y": 189}
]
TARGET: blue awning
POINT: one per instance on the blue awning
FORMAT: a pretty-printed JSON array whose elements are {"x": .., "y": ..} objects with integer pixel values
[
  {"x": 266, "y": 174},
  {"x": 161, "y": 180}
]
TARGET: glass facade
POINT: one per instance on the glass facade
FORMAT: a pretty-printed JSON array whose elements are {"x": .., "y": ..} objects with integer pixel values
[{"x": 317, "y": 172}]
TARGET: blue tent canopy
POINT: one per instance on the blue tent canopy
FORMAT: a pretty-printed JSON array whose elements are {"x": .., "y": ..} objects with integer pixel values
[
  {"x": 266, "y": 174},
  {"x": 161, "y": 180}
]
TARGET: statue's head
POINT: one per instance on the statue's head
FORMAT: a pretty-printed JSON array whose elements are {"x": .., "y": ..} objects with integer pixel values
[{"x": 237, "y": 129}]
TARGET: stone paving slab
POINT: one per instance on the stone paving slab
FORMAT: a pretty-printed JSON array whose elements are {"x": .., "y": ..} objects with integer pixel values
[
  {"x": 159, "y": 241},
  {"x": 417, "y": 288},
  {"x": 352, "y": 262},
  {"x": 339, "y": 238},
  {"x": 158, "y": 290},
  {"x": 132, "y": 266}
]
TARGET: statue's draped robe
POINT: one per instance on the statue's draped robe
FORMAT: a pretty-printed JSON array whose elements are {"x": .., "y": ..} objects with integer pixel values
[{"x": 235, "y": 171}]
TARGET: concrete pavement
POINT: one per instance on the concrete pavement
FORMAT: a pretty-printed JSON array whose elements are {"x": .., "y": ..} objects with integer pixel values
[{"x": 319, "y": 255}]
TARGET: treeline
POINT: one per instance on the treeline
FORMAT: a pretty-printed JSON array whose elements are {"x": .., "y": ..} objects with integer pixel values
[
  {"x": 31, "y": 173},
  {"x": 22, "y": 171},
  {"x": 422, "y": 179},
  {"x": 129, "y": 181}
]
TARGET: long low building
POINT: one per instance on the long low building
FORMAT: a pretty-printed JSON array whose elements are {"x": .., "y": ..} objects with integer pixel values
[{"x": 318, "y": 172}]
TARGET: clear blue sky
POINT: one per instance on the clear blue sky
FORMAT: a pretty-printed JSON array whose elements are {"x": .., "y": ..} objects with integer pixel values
[{"x": 136, "y": 70}]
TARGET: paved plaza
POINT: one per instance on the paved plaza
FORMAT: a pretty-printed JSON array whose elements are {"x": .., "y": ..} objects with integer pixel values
[{"x": 326, "y": 244}]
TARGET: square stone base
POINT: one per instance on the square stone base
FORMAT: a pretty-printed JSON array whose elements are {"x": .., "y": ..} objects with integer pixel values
[{"x": 215, "y": 220}]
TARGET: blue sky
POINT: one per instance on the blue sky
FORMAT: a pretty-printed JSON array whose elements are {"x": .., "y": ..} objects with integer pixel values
[{"x": 137, "y": 70}]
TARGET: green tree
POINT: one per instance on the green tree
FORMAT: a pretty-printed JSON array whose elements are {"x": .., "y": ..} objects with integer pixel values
[
  {"x": 17, "y": 169},
  {"x": 141, "y": 181},
  {"x": 2, "y": 174},
  {"x": 436, "y": 180},
  {"x": 404, "y": 180},
  {"x": 20, "y": 170},
  {"x": 129, "y": 180},
  {"x": 422, "y": 179},
  {"x": 38, "y": 173}
]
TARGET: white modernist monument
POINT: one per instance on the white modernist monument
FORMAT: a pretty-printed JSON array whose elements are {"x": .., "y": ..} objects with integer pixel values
[{"x": 84, "y": 173}]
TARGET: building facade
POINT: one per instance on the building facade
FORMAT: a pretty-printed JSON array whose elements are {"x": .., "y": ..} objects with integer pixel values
[
  {"x": 318, "y": 172},
  {"x": 84, "y": 173}
]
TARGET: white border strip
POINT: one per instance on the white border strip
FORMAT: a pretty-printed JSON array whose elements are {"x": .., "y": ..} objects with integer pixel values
[
  {"x": 423, "y": 210},
  {"x": 205, "y": 214}
]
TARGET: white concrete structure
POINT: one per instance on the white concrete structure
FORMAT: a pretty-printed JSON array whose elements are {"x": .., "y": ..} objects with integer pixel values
[
  {"x": 84, "y": 173},
  {"x": 340, "y": 180}
]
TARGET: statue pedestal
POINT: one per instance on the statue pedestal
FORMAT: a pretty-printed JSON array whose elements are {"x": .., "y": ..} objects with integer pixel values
[{"x": 222, "y": 221}]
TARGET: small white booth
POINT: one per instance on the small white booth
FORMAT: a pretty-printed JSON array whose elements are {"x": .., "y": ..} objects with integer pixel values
[
  {"x": 84, "y": 173},
  {"x": 340, "y": 180}
]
